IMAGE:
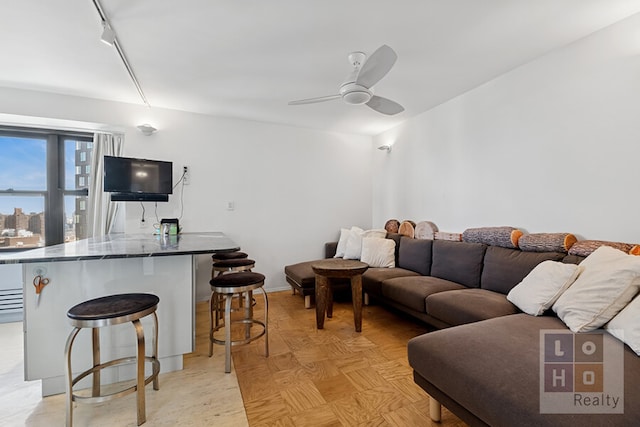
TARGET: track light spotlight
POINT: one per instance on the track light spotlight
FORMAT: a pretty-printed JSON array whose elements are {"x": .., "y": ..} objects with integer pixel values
[{"x": 108, "y": 35}]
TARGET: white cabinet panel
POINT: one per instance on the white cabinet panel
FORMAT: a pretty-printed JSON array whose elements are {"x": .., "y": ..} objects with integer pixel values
[{"x": 171, "y": 278}]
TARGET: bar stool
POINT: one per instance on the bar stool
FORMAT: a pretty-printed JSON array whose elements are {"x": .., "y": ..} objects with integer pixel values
[
  {"x": 234, "y": 262},
  {"x": 232, "y": 265},
  {"x": 107, "y": 311},
  {"x": 225, "y": 256},
  {"x": 225, "y": 287}
]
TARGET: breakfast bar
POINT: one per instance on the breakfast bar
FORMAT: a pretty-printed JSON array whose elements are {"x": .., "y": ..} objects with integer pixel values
[{"x": 74, "y": 272}]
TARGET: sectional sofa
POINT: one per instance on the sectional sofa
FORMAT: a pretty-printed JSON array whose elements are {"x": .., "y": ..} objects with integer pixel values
[{"x": 483, "y": 363}]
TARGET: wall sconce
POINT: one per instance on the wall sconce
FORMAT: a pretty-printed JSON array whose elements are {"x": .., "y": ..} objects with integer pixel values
[
  {"x": 147, "y": 129},
  {"x": 385, "y": 147}
]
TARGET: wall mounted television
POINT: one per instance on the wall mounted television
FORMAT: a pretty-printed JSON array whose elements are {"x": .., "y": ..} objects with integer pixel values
[{"x": 133, "y": 180}]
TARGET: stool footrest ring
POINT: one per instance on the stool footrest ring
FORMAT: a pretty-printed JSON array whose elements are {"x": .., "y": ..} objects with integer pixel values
[
  {"x": 244, "y": 341},
  {"x": 104, "y": 398}
]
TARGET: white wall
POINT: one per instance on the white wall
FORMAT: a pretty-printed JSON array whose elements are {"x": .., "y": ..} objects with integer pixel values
[
  {"x": 293, "y": 188},
  {"x": 552, "y": 146}
]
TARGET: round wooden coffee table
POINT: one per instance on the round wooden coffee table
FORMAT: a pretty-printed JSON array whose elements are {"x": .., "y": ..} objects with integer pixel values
[{"x": 338, "y": 268}]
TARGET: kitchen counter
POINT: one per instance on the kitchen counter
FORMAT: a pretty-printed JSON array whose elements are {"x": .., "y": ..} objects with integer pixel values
[
  {"x": 125, "y": 246},
  {"x": 121, "y": 263}
]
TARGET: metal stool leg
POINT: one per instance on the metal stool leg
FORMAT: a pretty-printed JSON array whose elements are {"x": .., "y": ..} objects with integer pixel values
[
  {"x": 227, "y": 333},
  {"x": 248, "y": 312},
  {"x": 69, "y": 376},
  {"x": 156, "y": 381},
  {"x": 95, "y": 339},
  {"x": 140, "y": 397},
  {"x": 213, "y": 305},
  {"x": 220, "y": 299}
]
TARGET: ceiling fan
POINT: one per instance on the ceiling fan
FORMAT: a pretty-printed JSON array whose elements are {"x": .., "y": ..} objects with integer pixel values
[{"x": 358, "y": 87}]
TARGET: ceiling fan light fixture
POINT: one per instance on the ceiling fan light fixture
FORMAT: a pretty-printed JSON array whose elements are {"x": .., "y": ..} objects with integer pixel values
[
  {"x": 356, "y": 97},
  {"x": 358, "y": 86},
  {"x": 355, "y": 94}
]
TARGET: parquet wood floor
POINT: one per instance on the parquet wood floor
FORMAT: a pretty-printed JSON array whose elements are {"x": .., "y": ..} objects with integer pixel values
[
  {"x": 199, "y": 395},
  {"x": 333, "y": 376},
  {"x": 329, "y": 377}
]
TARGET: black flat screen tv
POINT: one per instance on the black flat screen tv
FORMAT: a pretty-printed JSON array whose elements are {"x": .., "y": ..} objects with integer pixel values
[{"x": 129, "y": 179}]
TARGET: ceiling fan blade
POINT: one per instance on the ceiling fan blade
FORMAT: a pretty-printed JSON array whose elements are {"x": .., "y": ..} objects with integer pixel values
[
  {"x": 314, "y": 100},
  {"x": 377, "y": 66},
  {"x": 385, "y": 106}
]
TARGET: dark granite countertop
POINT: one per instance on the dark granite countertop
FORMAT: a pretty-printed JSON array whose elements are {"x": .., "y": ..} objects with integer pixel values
[{"x": 125, "y": 246}]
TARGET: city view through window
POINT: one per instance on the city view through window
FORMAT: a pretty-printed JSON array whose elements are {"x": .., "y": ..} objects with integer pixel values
[{"x": 44, "y": 181}]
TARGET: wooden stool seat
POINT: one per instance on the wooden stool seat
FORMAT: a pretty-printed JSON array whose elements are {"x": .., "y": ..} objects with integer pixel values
[
  {"x": 111, "y": 309},
  {"x": 232, "y": 265},
  {"x": 224, "y": 256}
]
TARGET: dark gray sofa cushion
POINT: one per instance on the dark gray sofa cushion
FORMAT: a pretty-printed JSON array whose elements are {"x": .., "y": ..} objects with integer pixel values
[
  {"x": 330, "y": 249},
  {"x": 504, "y": 268},
  {"x": 396, "y": 238},
  {"x": 573, "y": 259},
  {"x": 372, "y": 278},
  {"x": 468, "y": 305},
  {"x": 458, "y": 262},
  {"x": 415, "y": 255},
  {"x": 301, "y": 276},
  {"x": 492, "y": 368},
  {"x": 411, "y": 291}
]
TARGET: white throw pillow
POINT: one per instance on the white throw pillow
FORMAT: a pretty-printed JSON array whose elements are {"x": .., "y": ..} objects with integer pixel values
[
  {"x": 378, "y": 252},
  {"x": 626, "y": 325},
  {"x": 342, "y": 242},
  {"x": 378, "y": 233},
  {"x": 354, "y": 243},
  {"x": 609, "y": 280},
  {"x": 543, "y": 286}
]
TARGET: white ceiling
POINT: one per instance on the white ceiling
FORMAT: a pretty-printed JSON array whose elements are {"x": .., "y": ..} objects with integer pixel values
[{"x": 247, "y": 59}]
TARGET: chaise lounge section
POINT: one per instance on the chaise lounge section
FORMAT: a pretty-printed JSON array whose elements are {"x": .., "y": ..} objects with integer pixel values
[
  {"x": 302, "y": 278},
  {"x": 488, "y": 374}
]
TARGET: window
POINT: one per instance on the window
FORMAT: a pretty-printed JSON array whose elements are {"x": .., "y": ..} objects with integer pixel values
[{"x": 42, "y": 187}]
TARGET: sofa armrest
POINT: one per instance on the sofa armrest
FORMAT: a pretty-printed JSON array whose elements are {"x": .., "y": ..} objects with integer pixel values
[{"x": 330, "y": 249}]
